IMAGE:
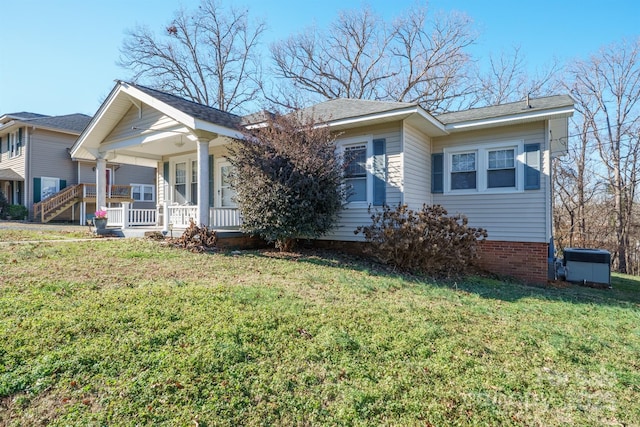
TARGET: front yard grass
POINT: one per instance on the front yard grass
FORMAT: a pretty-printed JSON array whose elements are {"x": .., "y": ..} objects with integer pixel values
[{"x": 127, "y": 332}]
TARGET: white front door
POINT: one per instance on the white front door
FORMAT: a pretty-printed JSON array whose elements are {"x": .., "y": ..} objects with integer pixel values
[{"x": 226, "y": 194}]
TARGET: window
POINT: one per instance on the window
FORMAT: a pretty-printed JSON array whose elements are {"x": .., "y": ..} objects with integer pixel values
[
  {"x": 48, "y": 187},
  {"x": 194, "y": 181},
  {"x": 463, "y": 171},
  {"x": 502, "y": 169},
  {"x": 181, "y": 182},
  {"x": 355, "y": 158},
  {"x": 485, "y": 167},
  {"x": 14, "y": 144},
  {"x": 143, "y": 192}
]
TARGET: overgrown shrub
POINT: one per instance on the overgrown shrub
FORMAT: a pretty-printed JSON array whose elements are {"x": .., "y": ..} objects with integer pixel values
[
  {"x": 428, "y": 240},
  {"x": 197, "y": 238},
  {"x": 288, "y": 180}
]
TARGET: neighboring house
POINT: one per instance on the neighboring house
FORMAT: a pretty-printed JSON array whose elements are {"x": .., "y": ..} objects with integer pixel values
[
  {"x": 36, "y": 168},
  {"x": 492, "y": 164}
]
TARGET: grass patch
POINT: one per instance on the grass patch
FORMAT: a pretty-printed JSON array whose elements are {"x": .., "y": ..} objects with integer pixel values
[
  {"x": 22, "y": 235},
  {"x": 122, "y": 332}
]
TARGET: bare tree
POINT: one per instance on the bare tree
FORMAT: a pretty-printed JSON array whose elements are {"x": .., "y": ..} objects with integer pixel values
[
  {"x": 607, "y": 92},
  {"x": 578, "y": 189},
  {"x": 363, "y": 56},
  {"x": 209, "y": 56},
  {"x": 507, "y": 79}
]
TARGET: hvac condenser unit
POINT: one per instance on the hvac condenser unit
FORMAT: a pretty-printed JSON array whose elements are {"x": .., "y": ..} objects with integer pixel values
[{"x": 587, "y": 265}]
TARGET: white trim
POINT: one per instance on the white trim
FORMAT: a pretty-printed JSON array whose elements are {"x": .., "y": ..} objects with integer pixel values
[
  {"x": 367, "y": 140},
  {"x": 513, "y": 118},
  {"x": 482, "y": 166},
  {"x": 142, "y": 187}
]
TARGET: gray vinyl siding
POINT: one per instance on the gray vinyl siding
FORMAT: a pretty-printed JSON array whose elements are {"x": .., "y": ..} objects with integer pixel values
[
  {"x": 351, "y": 218},
  {"x": 49, "y": 157},
  {"x": 123, "y": 175},
  {"x": 145, "y": 118},
  {"x": 417, "y": 168},
  {"x": 130, "y": 174},
  {"x": 517, "y": 216}
]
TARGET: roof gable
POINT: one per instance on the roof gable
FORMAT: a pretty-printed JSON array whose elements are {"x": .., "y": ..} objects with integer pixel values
[{"x": 193, "y": 109}]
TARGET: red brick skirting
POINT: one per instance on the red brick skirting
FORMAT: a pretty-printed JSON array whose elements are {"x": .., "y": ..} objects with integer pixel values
[{"x": 523, "y": 260}]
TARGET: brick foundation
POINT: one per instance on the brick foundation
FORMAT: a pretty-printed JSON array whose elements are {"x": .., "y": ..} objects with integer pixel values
[{"x": 523, "y": 260}]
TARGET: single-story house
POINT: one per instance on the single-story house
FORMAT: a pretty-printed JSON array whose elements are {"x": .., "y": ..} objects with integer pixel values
[
  {"x": 491, "y": 164},
  {"x": 36, "y": 169}
]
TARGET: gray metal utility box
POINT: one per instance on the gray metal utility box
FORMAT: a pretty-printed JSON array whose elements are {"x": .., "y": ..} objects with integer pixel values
[{"x": 587, "y": 265}]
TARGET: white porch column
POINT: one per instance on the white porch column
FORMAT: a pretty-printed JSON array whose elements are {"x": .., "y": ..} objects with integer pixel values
[
  {"x": 165, "y": 217},
  {"x": 101, "y": 183},
  {"x": 203, "y": 181},
  {"x": 125, "y": 215}
]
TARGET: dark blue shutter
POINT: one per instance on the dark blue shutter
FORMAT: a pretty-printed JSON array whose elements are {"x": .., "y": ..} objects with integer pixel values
[
  {"x": 210, "y": 180},
  {"x": 532, "y": 166},
  {"x": 437, "y": 173},
  {"x": 19, "y": 143},
  {"x": 63, "y": 184},
  {"x": 37, "y": 190},
  {"x": 379, "y": 172}
]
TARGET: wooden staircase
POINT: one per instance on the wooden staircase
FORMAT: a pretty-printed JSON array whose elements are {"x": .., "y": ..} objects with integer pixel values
[{"x": 49, "y": 208}]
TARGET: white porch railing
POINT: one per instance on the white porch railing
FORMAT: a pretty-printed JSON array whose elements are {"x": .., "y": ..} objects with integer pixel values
[
  {"x": 115, "y": 217},
  {"x": 224, "y": 218},
  {"x": 134, "y": 217},
  {"x": 178, "y": 216}
]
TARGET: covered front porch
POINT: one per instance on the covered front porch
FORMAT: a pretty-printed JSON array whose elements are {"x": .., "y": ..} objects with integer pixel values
[
  {"x": 167, "y": 217},
  {"x": 186, "y": 143}
]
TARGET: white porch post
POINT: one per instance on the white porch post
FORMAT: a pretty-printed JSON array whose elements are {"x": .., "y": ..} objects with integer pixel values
[
  {"x": 101, "y": 183},
  {"x": 125, "y": 215},
  {"x": 203, "y": 181},
  {"x": 165, "y": 217}
]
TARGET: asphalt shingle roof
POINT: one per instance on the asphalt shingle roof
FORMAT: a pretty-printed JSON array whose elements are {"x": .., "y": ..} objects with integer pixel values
[
  {"x": 198, "y": 111},
  {"x": 69, "y": 122},
  {"x": 24, "y": 115},
  {"x": 342, "y": 108},
  {"x": 536, "y": 104}
]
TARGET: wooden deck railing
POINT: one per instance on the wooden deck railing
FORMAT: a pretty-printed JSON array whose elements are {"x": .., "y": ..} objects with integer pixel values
[
  {"x": 77, "y": 193},
  {"x": 42, "y": 209}
]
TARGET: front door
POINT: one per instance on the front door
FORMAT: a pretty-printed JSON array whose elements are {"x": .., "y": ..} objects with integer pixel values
[{"x": 226, "y": 194}]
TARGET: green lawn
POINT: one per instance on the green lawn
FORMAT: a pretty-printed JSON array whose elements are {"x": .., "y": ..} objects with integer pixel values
[{"x": 127, "y": 332}]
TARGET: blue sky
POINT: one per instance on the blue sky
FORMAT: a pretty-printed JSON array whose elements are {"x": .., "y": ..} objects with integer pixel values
[{"x": 58, "y": 57}]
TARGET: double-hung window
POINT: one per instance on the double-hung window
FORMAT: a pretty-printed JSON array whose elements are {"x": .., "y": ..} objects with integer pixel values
[
  {"x": 355, "y": 161},
  {"x": 143, "y": 192},
  {"x": 194, "y": 181},
  {"x": 14, "y": 144},
  {"x": 463, "y": 171},
  {"x": 501, "y": 171},
  {"x": 485, "y": 168},
  {"x": 181, "y": 182},
  {"x": 365, "y": 170}
]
